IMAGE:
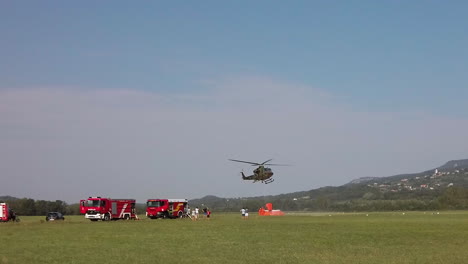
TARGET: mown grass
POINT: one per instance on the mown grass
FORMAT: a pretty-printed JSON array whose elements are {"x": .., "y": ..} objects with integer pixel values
[{"x": 415, "y": 237}]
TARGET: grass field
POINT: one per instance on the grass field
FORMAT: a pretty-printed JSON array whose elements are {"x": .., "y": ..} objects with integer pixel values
[{"x": 414, "y": 237}]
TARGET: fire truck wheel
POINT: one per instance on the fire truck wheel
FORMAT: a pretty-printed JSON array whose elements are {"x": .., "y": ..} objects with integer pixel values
[
  {"x": 179, "y": 215},
  {"x": 106, "y": 217},
  {"x": 127, "y": 217}
]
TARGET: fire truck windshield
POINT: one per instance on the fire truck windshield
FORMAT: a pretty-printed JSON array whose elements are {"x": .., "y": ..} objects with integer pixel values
[
  {"x": 92, "y": 203},
  {"x": 155, "y": 203}
]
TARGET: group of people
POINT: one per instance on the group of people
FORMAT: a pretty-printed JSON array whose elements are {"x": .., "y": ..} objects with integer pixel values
[
  {"x": 195, "y": 213},
  {"x": 245, "y": 213}
]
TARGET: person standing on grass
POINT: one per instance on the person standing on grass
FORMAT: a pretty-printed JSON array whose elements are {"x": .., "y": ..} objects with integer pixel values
[
  {"x": 196, "y": 213},
  {"x": 193, "y": 215},
  {"x": 246, "y": 213},
  {"x": 243, "y": 212},
  {"x": 208, "y": 213}
]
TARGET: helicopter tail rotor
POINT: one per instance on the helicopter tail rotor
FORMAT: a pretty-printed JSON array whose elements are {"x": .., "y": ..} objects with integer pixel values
[{"x": 243, "y": 175}]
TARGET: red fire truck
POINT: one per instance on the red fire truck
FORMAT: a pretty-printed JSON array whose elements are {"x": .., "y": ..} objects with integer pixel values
[
  {"x": 166, "y": 208},
  {"x": 6, "y": 214},
  {"x": 97, "y": 208}
]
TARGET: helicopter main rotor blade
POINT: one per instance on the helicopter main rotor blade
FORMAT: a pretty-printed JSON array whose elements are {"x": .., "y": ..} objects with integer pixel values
[
  {"x": 272, "y": 164},
  {"x": 266, "y": 162},
  {"x": 248, "y": 162}
]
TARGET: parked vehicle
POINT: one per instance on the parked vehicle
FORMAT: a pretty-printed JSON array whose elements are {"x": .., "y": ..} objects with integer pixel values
[
  {"x": 166, "y": 208},
  {"x": 52, "y": 216},
  {"x": 105, "y": 209},
  {"x": 6, "y": 214}
]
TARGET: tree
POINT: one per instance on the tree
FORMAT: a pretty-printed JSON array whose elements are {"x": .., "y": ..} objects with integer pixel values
[
  {"x": 25, "y": 206},
  {"x": 323, "y": 203},
  {"x": 454, "y": 198}
]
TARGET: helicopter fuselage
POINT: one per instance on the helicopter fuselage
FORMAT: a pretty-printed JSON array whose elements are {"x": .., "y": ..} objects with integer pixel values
[{"x": 260, "y": 174}]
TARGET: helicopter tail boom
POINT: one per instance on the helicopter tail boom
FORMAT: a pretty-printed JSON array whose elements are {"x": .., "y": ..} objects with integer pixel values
[{"x": 251, "y": 177}]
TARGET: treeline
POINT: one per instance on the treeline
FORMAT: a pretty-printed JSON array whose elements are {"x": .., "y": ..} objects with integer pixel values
[
  {"x": 452, "y": 198},
  {"x": 27, "y": 206}
]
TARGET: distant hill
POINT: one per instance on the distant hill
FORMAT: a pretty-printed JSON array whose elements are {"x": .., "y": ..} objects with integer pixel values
[
  {"x": 8, "y": 198},
  {"x": 363, "y": 179},
  {"x": 450, "y": 166},
  {"x": 455, "y": 164}
]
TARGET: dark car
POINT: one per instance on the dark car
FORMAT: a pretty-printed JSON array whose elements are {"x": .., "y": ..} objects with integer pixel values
[{"x": 52, "y": 216}]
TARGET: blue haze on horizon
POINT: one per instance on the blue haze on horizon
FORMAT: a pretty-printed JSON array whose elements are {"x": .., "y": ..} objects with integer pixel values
[{"x": 150, "y": 98}]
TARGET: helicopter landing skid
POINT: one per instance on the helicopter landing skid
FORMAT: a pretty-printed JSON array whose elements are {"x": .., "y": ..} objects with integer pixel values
[{"x": 268, "y": 181}]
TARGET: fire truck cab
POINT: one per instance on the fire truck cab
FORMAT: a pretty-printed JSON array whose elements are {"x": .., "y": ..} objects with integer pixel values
[
  {"x": 105, "y": 209},
  {"x": 166, "y": 208}
]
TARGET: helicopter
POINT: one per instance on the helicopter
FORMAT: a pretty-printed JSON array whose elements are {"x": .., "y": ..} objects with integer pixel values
[{"x": 261, "y": 173}]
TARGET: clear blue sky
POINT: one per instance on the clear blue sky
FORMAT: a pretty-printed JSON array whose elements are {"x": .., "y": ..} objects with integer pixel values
[{"x": 342, "y": 67}]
